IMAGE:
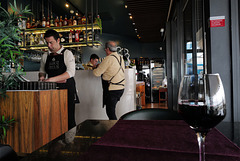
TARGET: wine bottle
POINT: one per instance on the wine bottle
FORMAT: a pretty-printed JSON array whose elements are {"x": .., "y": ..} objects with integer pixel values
[
  {"x": 51, "y": 21},
  {"x": 48, "y": 22},
  {"x": 70, "y": 37},
  {"x": 56, "y": 22},
  {"x": 44, "y": 21},
  {"x": 60, "y": 22},
  {"x": 28, "y": 25},
  {"x": 70, "y": 21},
  {"x": 74, "y": 21},
  {"x": 65, "y": 22}
]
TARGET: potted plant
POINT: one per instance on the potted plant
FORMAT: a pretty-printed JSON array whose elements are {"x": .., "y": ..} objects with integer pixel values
[{"x": 10, "y": 54}]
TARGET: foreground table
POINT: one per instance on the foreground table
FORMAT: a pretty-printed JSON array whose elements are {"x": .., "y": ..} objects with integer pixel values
[
  {"x": 136, "y": 140},
  {"x": 165, "y": 140}
]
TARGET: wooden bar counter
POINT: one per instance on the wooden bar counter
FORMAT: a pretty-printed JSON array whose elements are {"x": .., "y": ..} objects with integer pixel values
[{"x": 41, "y": 116}]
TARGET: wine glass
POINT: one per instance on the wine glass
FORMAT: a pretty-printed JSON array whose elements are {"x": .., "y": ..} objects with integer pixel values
[{"x": 201, "y": 101}]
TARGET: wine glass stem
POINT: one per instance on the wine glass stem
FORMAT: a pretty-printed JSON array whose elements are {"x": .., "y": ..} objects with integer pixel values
[{"x": 201, "y": 145}]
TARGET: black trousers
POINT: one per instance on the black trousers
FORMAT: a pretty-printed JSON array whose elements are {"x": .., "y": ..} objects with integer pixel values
[{"x": 111, "y": 100}]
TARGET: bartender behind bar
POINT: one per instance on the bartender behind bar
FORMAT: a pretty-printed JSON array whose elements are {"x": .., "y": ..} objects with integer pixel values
[{"x": 58, "y": 64}]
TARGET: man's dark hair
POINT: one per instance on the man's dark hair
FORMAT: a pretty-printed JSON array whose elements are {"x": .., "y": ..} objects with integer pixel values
[
  {"x": 94, "y": 56},
  {"x": 53, "y": 33}
]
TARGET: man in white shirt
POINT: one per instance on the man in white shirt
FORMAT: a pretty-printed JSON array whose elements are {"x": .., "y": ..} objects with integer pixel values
[{"x": 58, "y": 65}]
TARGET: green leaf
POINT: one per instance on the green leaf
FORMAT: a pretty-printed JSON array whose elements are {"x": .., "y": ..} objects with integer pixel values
[
  {"x": 4, "y": 132},
  {"x": 3, "y": 118}
]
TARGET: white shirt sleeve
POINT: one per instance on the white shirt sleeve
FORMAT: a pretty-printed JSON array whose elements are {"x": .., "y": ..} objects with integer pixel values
[
  {"x": 69, "y": 61},
  {"x": 43, "y": 62}
]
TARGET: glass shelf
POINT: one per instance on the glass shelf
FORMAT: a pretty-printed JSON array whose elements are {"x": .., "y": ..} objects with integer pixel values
[
  {"x": 62, "y": 29},
  {"x": 74, "y": 44}
]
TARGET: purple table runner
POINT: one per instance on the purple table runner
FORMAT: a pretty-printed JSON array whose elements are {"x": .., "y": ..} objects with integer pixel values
[{"x": 165, "y": 140}]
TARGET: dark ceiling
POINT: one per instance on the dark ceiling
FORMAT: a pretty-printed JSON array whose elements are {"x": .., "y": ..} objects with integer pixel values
[{"x": 149, "y": 16}]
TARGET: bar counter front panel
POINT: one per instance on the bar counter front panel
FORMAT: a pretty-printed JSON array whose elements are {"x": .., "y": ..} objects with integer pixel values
[
  {"x": 89, "y": 89},
  {"x": 41, "y": 116}
]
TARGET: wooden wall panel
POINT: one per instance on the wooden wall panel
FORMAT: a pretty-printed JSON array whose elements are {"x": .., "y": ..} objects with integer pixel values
[{"x": 41, "y": 116}]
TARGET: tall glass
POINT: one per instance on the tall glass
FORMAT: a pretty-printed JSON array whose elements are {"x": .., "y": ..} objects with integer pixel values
[{"x": 201, "y": 101}]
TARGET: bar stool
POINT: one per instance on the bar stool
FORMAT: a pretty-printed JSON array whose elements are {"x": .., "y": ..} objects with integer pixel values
[{"x": 163, "y": 90}]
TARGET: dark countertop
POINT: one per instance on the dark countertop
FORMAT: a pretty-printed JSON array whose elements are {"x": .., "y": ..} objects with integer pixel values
[{"x": 71, "y": 145}]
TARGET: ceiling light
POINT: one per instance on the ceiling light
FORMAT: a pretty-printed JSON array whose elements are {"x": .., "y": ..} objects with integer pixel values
[
  {"x": 133, "y": 23},
  {"x": 71, "y": 11},
  {"x": 129, "y": 14},
  {"x": 162, "y": 30},
  {"x": 125, "y": 6},
  {"x": 67, "y": 5},
  {"x": 130, "y": 17}
]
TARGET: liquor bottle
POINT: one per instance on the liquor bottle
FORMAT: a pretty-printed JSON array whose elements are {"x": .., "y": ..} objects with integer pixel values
[
  {"x": 89, "y": 35},
  {"x": 70, "y": 21},
  {"x": 21, "y": 42},
  {"x": 28, "y": 25},
  {"x": 70, "y": 37},
  {"x": 79, "y": 20},
  {"x": 60, "y": 22},
  {"x": 48, "y": 22},
  {"x": 41, "y": 40},
  {"x": 38, "y": 24},
  {"x": 84, "y": 36},
  {"x": 51, "y": 21},
  {"x": 24, "y": 24},
  {"x": 33, "y": 23},
  {"x": 81, "y": 36},
  {"x": 20, "y": 24},
  {"x": 74, "y": 21},
  {"x": 73, "y": 36},
  {"x": 89, "y": 18},
  {"x": 65, "y": 22},
  {"x": 36, "y": 39},
  {"x": 77, "y": 36},
  {"x": 84, "y": 20},
  {"x": 56, "y": 22},
  {"x": 96, "y": 35},
  {"x": 27, "y": 39},
  {"x": 31, "y": 39},
  {"x": 44, "y": 22}
]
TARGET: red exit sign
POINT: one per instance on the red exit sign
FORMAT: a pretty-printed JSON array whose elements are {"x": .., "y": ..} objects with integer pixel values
[{"x": 217, "y": 21}]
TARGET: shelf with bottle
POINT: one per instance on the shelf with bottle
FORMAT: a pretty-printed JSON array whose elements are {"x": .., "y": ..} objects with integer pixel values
[
  {"x": 74, "y": 38},
  {"x": 75, "y": 44},
  {"x": 62, "y": 28}
]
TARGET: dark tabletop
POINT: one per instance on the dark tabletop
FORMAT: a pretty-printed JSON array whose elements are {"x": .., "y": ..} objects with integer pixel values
[{"x": 76, "y": 142}]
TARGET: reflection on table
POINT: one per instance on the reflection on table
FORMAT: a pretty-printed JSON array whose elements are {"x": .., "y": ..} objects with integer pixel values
[
  {"x": 71, "y": 145},
  {"x": 80, "y": 143}
]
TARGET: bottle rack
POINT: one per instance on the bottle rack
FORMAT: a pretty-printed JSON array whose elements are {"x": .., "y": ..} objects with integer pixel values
[{"x": 83, "y": 27}]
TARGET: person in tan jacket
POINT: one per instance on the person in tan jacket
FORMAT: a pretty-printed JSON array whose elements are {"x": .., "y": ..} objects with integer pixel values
[{"x": 112, "y": 71}]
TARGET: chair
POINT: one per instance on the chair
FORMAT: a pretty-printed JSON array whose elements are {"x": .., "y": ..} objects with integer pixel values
[
  {"x": 163, "y": 90},
  {"x": 151, "y": 114},
  {"x": 7, "y": 153}
]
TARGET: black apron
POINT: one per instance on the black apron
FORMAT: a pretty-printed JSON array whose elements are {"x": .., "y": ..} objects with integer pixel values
[{"x": 55, "y": 66}]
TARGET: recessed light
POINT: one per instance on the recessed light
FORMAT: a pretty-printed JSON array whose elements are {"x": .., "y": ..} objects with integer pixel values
[
  {"x": 67, "y": 5},
  {"x": 133, "y": 23},
  {"x": 130, "y": 17},
  {"x": 126, "y": 6}
]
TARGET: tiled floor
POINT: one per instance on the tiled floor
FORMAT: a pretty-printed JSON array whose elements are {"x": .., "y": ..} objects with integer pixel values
[{"x": 156, "y": 105}]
